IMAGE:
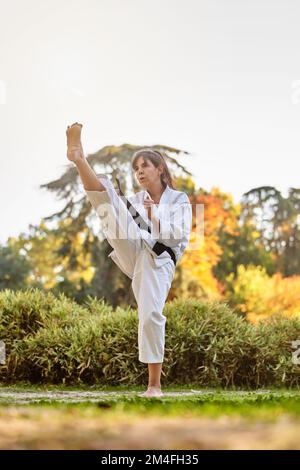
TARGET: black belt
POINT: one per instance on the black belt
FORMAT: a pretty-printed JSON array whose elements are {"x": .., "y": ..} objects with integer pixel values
[{"x": 158, "y": 248}]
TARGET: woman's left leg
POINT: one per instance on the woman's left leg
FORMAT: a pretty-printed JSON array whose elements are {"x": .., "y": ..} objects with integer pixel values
[{"x": 151, "y": 284}]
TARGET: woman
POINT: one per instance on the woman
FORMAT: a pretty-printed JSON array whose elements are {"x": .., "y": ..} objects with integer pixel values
[{"x": 148, "y": 257}]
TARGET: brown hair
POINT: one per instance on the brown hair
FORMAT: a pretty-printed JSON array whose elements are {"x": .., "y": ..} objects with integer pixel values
[{"x": 157, "y": 158}]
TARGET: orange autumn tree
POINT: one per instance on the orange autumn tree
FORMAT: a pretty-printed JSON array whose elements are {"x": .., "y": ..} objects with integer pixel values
[
  {"x": 195, "y": 277},
  {"x": 258, "y": 296}
]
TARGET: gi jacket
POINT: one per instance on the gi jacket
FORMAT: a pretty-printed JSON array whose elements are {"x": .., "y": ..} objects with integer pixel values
[
  {"x": 175, "y": 215},
  {"x": 173, "y": 211}
]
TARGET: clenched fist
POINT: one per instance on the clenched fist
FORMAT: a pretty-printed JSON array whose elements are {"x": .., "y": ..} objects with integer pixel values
[{"x": 75, "y": 151}]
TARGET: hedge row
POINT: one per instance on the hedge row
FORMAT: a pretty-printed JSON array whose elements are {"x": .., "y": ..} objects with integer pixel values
[{"x": 52, "y": 339}]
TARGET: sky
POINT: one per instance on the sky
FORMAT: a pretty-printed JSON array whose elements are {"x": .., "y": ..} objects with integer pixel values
[{"x": 218, "y": 79}]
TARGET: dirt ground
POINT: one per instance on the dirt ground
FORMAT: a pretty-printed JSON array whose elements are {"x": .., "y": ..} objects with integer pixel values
[{"x": 38, "y": 428}]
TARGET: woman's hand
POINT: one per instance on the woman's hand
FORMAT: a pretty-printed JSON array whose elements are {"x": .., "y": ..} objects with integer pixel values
[
  {"x": 149, "y": 204},
  {"x": 75, "y": 151}
]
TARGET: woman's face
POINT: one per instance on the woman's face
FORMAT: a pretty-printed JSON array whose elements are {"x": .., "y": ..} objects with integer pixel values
[{"x": 146, "y": 173}]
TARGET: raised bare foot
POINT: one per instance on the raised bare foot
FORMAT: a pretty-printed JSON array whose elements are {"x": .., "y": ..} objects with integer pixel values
[
  {"x": 152, "y": 392},
  {"x": 75, "y": 150}
]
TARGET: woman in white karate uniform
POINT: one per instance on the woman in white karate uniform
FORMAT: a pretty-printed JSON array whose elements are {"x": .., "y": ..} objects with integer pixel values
[{"x": 169, "y": 216}]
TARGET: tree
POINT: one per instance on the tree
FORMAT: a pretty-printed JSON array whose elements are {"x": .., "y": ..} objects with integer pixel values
[
  {"x": 258, "y": 296},
  {"x": 242, "y": 248},
  {"x": 14, "y": 269},
  {"x": 195, "y": 276},
  {"x": 277, "y": 220}
]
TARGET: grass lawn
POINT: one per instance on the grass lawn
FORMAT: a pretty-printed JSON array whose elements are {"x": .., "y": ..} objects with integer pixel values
[{"x": 59, "y": 417}]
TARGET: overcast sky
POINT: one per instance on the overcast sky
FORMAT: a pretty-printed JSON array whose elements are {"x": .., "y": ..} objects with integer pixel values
[{"x": 217, "y": 78}]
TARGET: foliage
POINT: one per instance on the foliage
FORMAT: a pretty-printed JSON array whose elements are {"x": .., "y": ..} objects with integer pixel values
[
  {"x": 258, "y": 295},
  {"x": 54, "y": 340},
  {"x": 242, "y": 248},
  {"x": 66, "y": 252},
  {"x": 277, "y": 219},
  {"x": 218, "y": 213},
  {"x": 14, "y": 268}
]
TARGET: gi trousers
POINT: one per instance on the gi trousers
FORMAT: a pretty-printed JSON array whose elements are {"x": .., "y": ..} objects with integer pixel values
[{"x": 151, "y": 275}]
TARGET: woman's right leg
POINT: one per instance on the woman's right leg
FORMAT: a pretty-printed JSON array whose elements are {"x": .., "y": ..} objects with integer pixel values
[
  {"x": 105, "y": 201},
  {"x": 76, "y": 155},
  {"x": 128, "y": 227},
  {"x": 125, "y": 249}
]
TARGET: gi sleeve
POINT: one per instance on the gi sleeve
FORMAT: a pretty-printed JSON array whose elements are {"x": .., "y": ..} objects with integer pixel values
[{"x": 97, "y": 197}]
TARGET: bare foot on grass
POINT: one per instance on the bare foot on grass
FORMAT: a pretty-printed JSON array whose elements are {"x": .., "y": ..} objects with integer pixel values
[{"x": 152, "y": 392}]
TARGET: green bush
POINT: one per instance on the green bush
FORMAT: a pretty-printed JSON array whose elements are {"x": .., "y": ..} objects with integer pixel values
[{"x": 54, "y": 340}]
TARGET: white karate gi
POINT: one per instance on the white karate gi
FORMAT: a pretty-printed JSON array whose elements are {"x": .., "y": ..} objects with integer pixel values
[{"x": 151, "y": 274}]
